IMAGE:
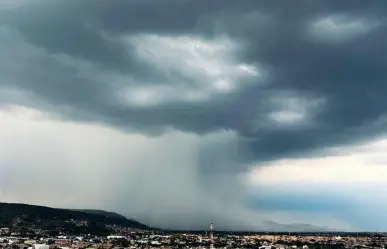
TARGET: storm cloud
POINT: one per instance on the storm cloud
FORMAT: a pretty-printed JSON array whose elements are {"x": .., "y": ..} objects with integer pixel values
[{"x": 245, "y": 82}]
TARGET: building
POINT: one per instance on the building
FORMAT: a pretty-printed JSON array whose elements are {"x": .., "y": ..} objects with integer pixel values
[{"x": 40, "y": 246}]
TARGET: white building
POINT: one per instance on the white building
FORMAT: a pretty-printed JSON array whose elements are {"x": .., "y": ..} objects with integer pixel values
[
  {"x": 41, "y": 246},
  {"x": 115, "y": 237}
]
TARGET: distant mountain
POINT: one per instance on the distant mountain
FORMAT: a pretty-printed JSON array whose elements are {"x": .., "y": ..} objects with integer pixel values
[
  {"x": 98, "y": 222},
  {"x": 112, "y": 215},
  {"x": 298, "y": 227},
  {"x": 70, "y": 221}
]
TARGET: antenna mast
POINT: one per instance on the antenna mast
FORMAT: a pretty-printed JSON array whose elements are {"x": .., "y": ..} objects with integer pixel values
[{"x": 211, "y": 236}]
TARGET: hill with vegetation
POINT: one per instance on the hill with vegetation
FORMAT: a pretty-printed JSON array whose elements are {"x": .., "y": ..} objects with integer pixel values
[
  {"x": 100, "y": 212},
  {"x": 38, "y": 218}
]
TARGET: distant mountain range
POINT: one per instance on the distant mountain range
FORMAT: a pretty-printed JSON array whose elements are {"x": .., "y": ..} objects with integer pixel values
[
  {"x": 63, "y": 220},
  {"x": 298, "y": 227},
  {"x": 99, "y": 222}
]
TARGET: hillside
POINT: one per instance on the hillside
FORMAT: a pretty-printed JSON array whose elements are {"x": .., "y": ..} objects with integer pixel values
[
  {"x": 100, "y": 212},
  {"x": 64, "y": 220},
  {"x": 133, "y": 222}
]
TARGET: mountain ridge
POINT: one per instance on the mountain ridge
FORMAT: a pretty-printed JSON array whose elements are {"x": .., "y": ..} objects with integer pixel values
[
  {"x": 97, "y": 221},
  {"x": 34, "y": 217},
  {"x": 294, "y": 227},
  {"x": 101, "y": 212}
]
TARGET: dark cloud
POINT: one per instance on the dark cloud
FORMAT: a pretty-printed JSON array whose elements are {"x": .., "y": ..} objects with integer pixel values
[{"x": 349, "y": 74}]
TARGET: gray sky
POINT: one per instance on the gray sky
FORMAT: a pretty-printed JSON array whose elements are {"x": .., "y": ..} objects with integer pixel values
[{"x": 178, "y": 112}]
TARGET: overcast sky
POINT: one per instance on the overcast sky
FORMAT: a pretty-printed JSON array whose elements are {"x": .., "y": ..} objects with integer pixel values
[{"x": 176, "y": 112}]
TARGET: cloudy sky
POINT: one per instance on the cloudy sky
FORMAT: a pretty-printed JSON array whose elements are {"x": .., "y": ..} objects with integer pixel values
[{"x": 175, "y": 112}]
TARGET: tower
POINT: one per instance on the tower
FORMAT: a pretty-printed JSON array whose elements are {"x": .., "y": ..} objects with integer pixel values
[
  {"x": 149, "y": 236},
  {"x": 211, "y": 236}
]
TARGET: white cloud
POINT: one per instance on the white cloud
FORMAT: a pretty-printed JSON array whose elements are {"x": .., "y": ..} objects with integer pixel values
[
  {"x": 148, "y": 96},
  {"x": 292, "y": 109},
  {"x": 152, "y": 95},
  {"x": 355, "y": 172},
  {"x": 210, "y": 67},
  {"x": 337, "y": 170},
  {"x": 354, "y": 165},
  {"x": 288, "y": 116},
  {"x": 338, "y": 28}
]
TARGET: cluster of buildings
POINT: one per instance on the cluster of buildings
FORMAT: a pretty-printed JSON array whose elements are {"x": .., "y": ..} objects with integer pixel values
[
  {"x": 160, "y": 239},
  {"x": 320, "y": 240}
]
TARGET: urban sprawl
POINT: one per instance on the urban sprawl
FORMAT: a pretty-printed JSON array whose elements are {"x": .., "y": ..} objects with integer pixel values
[{"x": 127, "y": 238}]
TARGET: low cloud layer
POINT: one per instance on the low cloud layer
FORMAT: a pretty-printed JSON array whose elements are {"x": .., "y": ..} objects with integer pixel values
[{"x": 178, "y": 99}]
